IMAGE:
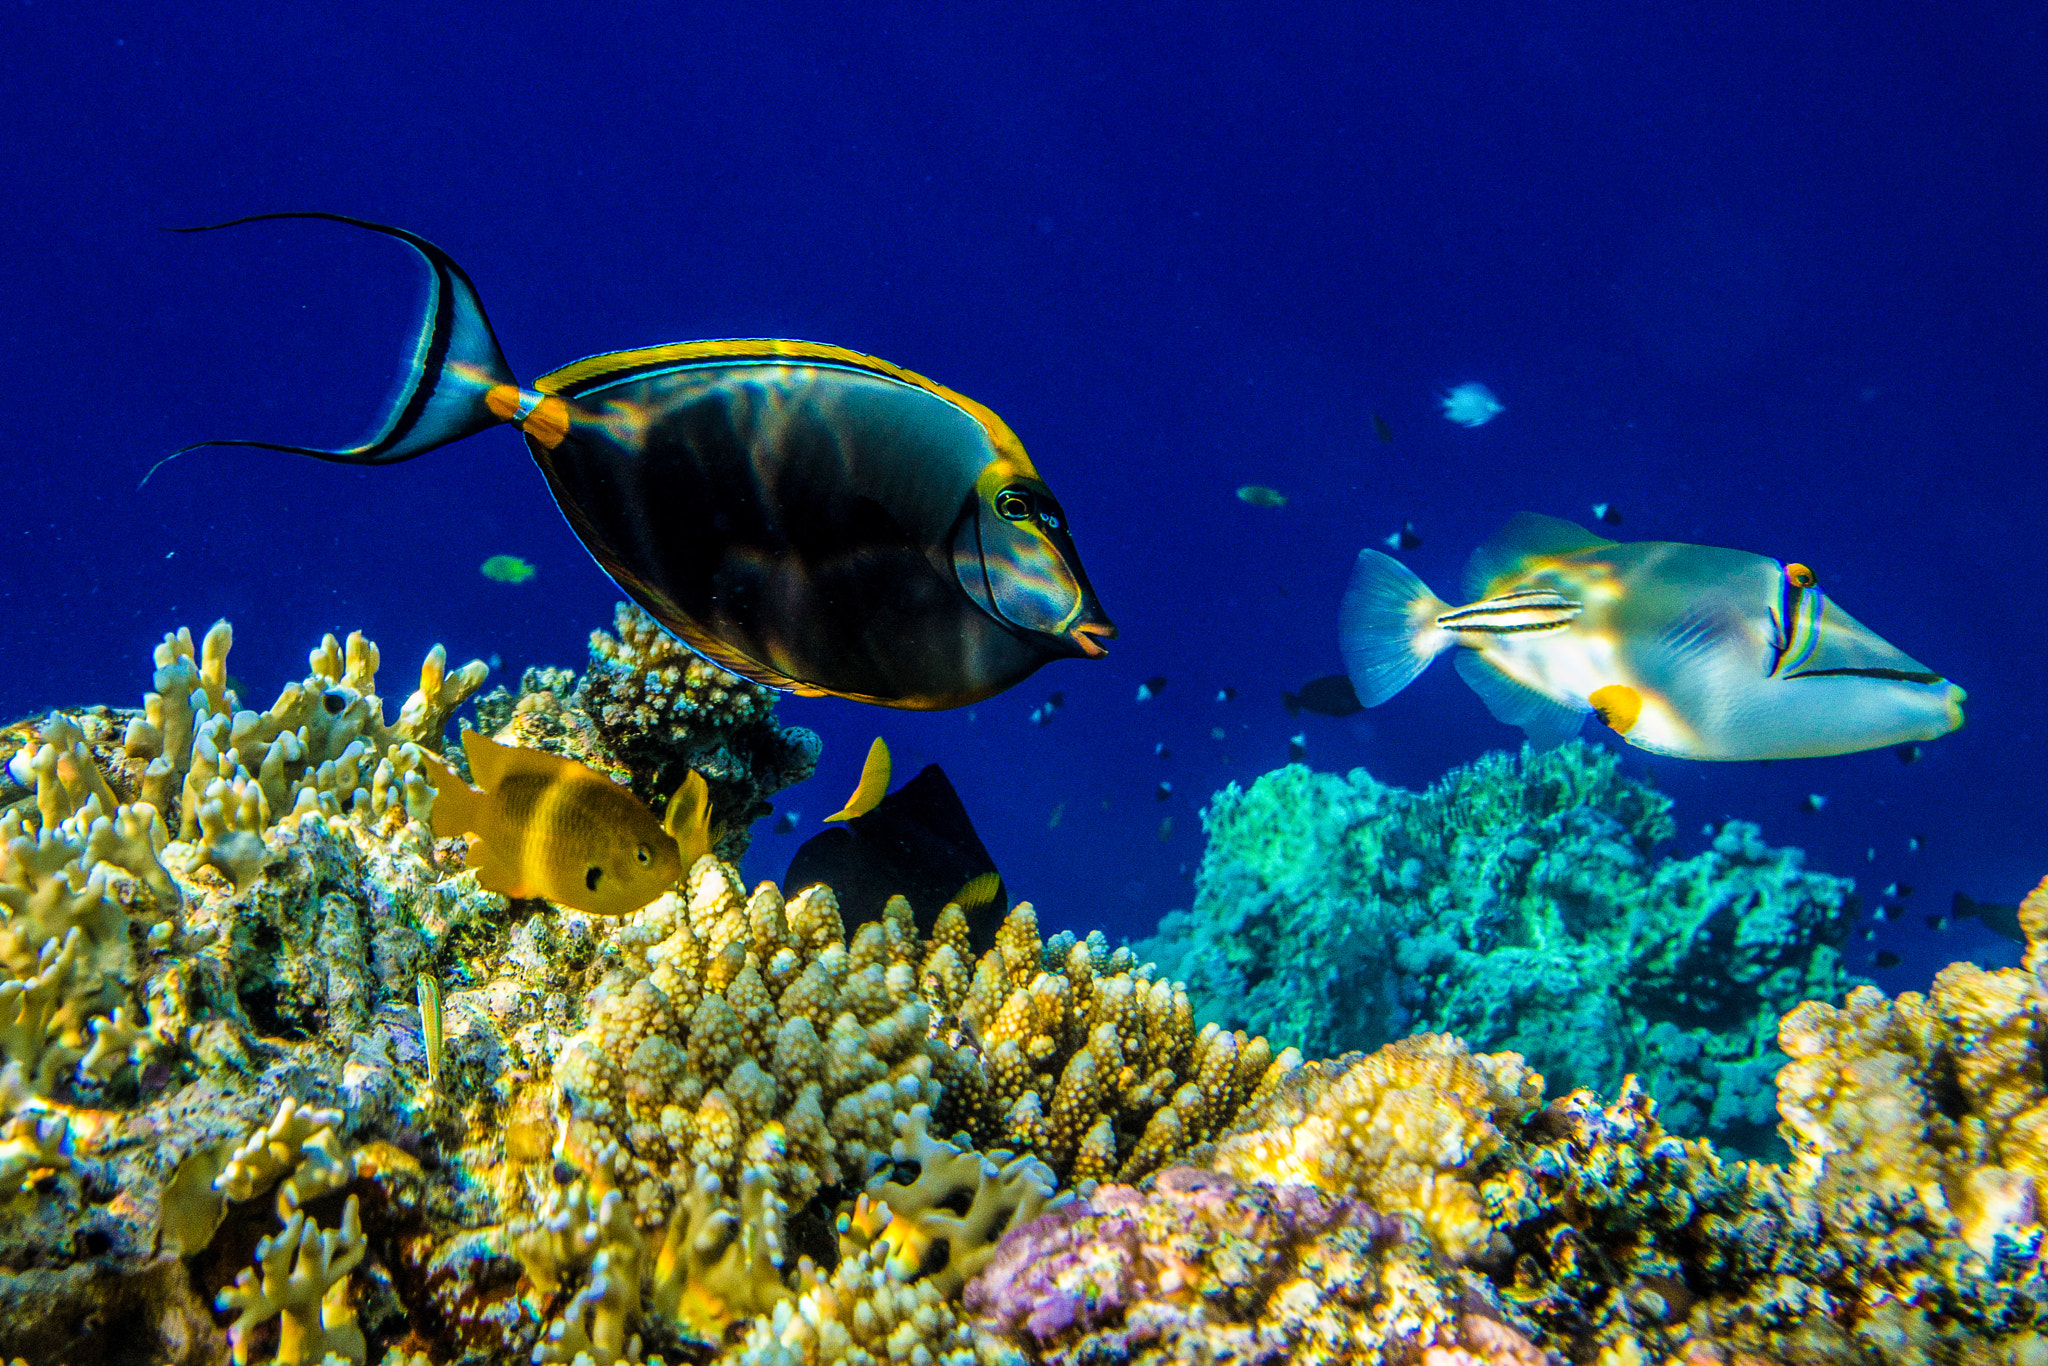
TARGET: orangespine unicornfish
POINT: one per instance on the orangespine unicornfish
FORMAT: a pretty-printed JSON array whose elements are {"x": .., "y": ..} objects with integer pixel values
[
  {"x": 917, "y": 843},
  {"x": 803, "y": 515},
  {"x": 546, "y": 826},
  {"x": 1685, "y": 650}
]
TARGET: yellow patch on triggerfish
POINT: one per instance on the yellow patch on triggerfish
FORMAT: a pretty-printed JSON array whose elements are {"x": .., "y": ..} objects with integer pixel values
[
  {"x": 506, "y": 569},
  {"x": 872, "y": 787},
  {"x": 545, "y": 826},
  {"x": 1686, "y": 650}
]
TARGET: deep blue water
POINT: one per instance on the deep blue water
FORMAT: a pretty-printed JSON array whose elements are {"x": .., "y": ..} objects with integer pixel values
[{"x": 1771, "y": 280}]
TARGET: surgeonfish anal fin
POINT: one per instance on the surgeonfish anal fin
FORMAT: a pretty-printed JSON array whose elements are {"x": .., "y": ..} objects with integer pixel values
[
  {"x": 1386, "y": 628},
  {"x": 456, "y": 361},
  {"x": 688, "y": 821},
  {"x": 1548, "y": 723},
  {"x": 873, "y": 786},
  {"x": 1526, "y": 535}
]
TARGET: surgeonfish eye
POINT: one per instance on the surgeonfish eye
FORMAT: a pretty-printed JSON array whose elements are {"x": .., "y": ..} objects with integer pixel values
[
  {"x": 1799, "y": 576},
  {"x": 1014, "y": 505},
  {"x": 592, "y": 877},
  {"x": 644, "y": 855}
]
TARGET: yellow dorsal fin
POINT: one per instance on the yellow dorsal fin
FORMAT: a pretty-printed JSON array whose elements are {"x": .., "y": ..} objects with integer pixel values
[
  {"x": 874, "y": 784},
  {"x": 688, "y": 821},
  {"x": 978, "y": 892},
  {"x": 487, "y": 759}
]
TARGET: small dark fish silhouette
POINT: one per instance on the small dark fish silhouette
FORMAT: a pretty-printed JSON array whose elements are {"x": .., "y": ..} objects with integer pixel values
[
  {"x": 1297, "y": 748},
  {"x": 1165, "y": 829},
  {"x": 1164, "y": 790},
  {"x": 1909, "y": 753},
  {"x": 1898, "y": 890},
  {"x": 2000, "y": 919},
  {"x": 917, "y": 842},
  {"x": 1381, "y": 430},
  {"x": 1815, "y": 801},
  {"x": 1151, "y": 687},
  {"x": 785, "y": 822},
  {"x": 1404, "y": 539},
  {"x": 1161, "y": 751},
  {"x": 1913, "y": 843},
  {"x": 1330, "y": 695},
  {"x": 1885, "y": 958},
  {"x": 1226, "y": 694},
  {"x": 1608, "y": 513}
]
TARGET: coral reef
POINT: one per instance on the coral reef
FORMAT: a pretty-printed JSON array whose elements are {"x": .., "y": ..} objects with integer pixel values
[
  {"x": 1517, "y": 904},
  {"x": 646, "y": 711},
  {"x": 280, "y": 1082}
]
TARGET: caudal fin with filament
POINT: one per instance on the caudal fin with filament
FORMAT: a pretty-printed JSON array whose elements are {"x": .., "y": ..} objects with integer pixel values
[
  {"x": 1386, "y": 628},
  {"x": 456, "y": 363}
]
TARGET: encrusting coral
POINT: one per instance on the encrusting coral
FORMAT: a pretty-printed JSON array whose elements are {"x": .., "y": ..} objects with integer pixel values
[
  {"x": 281, "y": 1082},
  {"x": 1517, "y": 904}
]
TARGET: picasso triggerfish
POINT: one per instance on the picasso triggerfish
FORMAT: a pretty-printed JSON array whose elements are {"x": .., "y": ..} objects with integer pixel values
[
  {"x": 806, "y": 516},
  {"x": 549, "y": 827},
  {"x": 1684, "y": 650}
]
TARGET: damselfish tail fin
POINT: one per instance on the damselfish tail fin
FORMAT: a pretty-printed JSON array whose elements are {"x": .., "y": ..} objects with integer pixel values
[
  {"x": 455, "y": 364},
  {"x": 1387, "y": 627}
]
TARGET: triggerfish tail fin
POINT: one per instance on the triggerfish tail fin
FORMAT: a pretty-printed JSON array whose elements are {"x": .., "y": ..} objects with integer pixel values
[
  {"x": 688, "y": 821},
  {"x": 873, "y": 785},
  {"x": 1548, "y": 723},
  {"x": 458, "y": 383},
  {"x": 1386, "y": 628},
  {"x": 1527, "y": 536}
]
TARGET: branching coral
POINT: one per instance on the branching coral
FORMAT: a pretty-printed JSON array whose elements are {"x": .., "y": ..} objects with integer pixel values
[
  {"x": 1519, "y": 905},
  {"x": 304, "y": 1284}
]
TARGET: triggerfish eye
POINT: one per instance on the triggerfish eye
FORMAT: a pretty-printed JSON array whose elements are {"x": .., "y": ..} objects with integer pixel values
[
  {"x": 1799, "y": 576},
  {"x": 1013, "y": 505}
]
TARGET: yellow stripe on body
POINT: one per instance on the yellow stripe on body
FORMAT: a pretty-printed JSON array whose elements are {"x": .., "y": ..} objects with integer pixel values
[{"x": 771, "y": 351}]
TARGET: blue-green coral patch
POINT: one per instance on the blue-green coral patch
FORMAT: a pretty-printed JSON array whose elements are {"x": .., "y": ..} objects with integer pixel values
[{"x": 1520, "y": 903}]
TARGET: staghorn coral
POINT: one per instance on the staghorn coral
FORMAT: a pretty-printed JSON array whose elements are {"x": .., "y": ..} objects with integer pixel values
[
  {"x": 1517, "y": 904},
  {"x": 304, "y": 1284}
]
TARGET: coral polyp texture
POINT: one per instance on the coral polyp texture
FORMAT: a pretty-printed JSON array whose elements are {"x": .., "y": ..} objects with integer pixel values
[
  {"x": 282, "y": 1083},
  {"x": 1519, "y": 904}
]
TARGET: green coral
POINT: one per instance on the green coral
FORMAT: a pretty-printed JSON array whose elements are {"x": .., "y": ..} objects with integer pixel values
[{"x": 1520, "y": 905}]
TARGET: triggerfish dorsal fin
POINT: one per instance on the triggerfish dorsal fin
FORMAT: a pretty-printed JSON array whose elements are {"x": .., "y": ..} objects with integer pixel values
[
  {"x": 688, "y": 821},
  {"x": 456, "y": 363},
  {"x": 1547, "y": 722},
  {"x": 873, "y": 785},
  {"x": 918, "y": 844},
  {"x": 1526, "y": 536}
]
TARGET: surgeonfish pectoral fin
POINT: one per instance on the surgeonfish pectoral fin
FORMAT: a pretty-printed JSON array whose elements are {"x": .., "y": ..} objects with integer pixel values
[
  {"x": 688, "y": 821},
  {"x": 1527, "y": 535},
  {"x": 455, "y": 363},
  {"x": 1547, "y": 722},
  {"x": 1386, "y": 628},
  {"x": 873, "y": 786}
]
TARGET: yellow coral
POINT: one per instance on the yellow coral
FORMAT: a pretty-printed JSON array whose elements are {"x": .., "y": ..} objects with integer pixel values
[
  {"x": 304, "y": 1282},
  {"x": 946, "y": 1222},
  {"x": 1405, "y": 1129}
]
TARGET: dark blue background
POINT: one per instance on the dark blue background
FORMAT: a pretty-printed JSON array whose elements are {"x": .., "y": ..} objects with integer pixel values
[{"x": 1770, "y": 280}]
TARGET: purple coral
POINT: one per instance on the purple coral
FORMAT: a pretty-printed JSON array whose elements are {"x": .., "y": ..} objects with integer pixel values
[{"x": 1156, "y": 1261}]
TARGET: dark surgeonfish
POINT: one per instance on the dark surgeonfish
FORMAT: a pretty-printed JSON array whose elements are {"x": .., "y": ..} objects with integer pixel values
[
  {"x": 918, "y": 843},
  {"x": 806, "y": 516},
  {"x": 1685, "y": 650}
]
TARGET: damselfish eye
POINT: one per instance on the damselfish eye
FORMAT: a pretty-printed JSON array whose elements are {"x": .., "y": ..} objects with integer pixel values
[
  {"x": 1799, "y": 576},
  {"x": 644, "y": 854},
  {"x": 1013, "y": 505}
]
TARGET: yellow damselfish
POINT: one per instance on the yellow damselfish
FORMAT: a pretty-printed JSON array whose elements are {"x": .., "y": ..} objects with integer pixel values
[
  {"x": 547, "y": 826},
  {"x": 1686, "y": 650}
]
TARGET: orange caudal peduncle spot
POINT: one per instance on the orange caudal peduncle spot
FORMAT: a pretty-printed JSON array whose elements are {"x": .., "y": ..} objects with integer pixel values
[
  {"x": 1618, "y": 706},
  {"x": 544, "y": 418}
]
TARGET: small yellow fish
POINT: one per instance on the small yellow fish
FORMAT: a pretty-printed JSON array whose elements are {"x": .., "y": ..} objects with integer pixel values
[
  {"x": 547, "y": 826},
  {"x": 1259, "y": 496},
  {"x": 1686, "y": 650},
  {"x": 506, "y": 569}
]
